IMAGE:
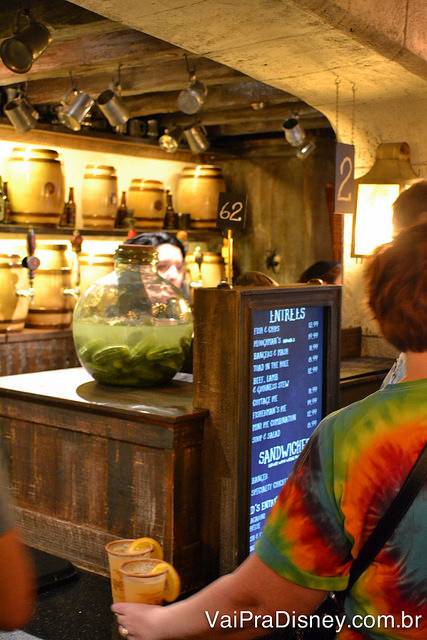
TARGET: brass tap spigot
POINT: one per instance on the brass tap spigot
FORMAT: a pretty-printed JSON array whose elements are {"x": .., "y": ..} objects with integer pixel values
[{"x": 198, "y": 259}]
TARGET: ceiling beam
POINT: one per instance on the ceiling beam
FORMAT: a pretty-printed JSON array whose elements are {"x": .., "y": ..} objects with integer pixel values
[
  {"x": 234, "y": 95},
  {"x": 147, "y": 78}
]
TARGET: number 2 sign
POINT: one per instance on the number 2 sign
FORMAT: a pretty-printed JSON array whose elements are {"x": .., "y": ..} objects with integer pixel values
[
  {"x": 231, "y": 211},
  {"x": 344, "y": 178}
]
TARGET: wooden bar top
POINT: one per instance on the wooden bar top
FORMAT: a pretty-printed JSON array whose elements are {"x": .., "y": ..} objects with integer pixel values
[{"x": 74, "y": 388}]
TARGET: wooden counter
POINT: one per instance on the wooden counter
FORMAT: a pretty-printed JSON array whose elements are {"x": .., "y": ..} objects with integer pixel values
[
  {"x": 91, "y": 463},
  {"x": 359, "y": 377},
  {"x": 36, "y": 350}
]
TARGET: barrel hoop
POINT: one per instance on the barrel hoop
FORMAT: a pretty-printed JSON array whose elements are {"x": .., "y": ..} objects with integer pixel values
[
  {"x": 35, "y": 213},
  {"x": 47, "y": 311},
  {"x": 55, "y": 160},
  {"x": 54, "y": 272},
  {"x": 89, "y": 177},
  {"x": 11, "y": 320},
  {"x": 11, "y": 264},
  {"x": 146, "y": 218},
  {"x": 50, "y": 325},
  {"x": 204, "y": 177}
]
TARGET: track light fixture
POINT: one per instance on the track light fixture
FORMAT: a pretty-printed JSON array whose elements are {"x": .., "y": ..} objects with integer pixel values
[
  {"x": 112, "y": 106},
  {"x": 170, "y": 140},
  {"x": 30, "y": 38},
  {"x": 74, "y": 107},
  {"x": 20, "y": 112},
  {"x": 191, "y": 99},
  {"x": 295, "y": 135},
  {"x": 196, "y": 137}
]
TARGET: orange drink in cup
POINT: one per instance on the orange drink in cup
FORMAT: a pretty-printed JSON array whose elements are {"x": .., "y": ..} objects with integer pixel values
[
  {"x": 150, "y": 581},
  {"x": 121, "y": 550}
]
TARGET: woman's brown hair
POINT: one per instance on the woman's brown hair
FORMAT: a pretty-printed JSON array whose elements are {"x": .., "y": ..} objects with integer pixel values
[{"x": 396, "y": 278}]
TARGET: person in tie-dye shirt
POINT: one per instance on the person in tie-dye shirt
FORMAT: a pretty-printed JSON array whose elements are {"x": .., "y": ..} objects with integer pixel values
[{"x": 341, "y": 485}]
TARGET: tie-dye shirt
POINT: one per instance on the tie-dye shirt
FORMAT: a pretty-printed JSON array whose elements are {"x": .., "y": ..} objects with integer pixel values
[{"x": 351, "y": 469}]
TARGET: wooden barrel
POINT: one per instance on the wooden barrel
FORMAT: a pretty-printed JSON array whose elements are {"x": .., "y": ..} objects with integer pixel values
[
  {"x": 198, "y": 192},
  {"x": 13, "y": 308},
  {"x": 94, "y": 266},
  {"x": 99, "y": 196},
  {"x": 147, "y": 198},
  {"x": 36, "y": 186},
  {"x": 52, "y": 308},
  {"x": 212, "y": 268}
]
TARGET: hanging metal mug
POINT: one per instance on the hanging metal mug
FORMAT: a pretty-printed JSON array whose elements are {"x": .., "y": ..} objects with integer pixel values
[
  {"x": 74, "y": 107},
  {"x": 113, "y": 108},
  {"x": 191, "y": 100},
  {"x": 196, "y": 137},
  {"x": 21, "y": 114},
  {"x": 28, "y": 42}
]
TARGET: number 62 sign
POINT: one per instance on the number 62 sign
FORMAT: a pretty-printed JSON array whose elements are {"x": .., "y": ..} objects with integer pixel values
[{"x": 231, "y": 211}]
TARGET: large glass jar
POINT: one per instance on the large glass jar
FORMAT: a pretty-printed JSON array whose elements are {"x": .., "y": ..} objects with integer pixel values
[{"x": 132, "y": 327}]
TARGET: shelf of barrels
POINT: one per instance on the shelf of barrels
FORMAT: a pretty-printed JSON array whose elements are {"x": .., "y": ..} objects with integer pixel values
[{"x": 36, "y": 306}]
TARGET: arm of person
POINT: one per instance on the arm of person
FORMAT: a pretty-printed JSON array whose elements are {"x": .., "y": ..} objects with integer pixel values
[
  {"x": 17, "y": 584},
  {"x": 238, "y": 603}
]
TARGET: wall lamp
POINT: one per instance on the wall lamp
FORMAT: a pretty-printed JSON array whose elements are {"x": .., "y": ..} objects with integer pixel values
[
  {"x": 376, "y": 191},
  {"x": 295, "y": 135},
  {"x": 170, "y": 140},
  {"x": 30, "y": 38},
  {"x": 20, "y": 112}
]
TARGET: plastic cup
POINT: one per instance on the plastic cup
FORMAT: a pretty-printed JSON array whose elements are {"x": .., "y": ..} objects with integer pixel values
[{"x": 118, "y": 553}]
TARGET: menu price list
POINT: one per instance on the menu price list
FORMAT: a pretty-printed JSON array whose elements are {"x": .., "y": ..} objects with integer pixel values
[{"x": 287, "y": 375}]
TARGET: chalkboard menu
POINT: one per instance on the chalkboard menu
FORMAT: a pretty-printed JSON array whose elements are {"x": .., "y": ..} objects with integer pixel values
[
  {"x": 266, "y": 366},
  {"x": 287, "y": 399},
  {"x": 290, "y": 359}
]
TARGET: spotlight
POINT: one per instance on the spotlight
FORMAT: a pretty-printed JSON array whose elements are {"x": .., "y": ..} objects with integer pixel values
[
  {"x": 73, "y": 109},
  {"x": 113, "y": 108},
  {"x": 28, "y": 42},
  {"x": 21, "y": 113},
  {"x": 170, "y": 140},
  {"x": 191, "y": 99},
  {"x": 196, "y": 138},
  {"x": 295, "y": 135}
]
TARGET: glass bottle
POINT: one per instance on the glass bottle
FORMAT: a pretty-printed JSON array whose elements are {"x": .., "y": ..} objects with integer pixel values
[
  {"x": 68, "y": 217},
  {"x": 132, "y": 327},
  {"x": 7, "y": 205},
  {"x": 122, "y": 213},
  {"x": 171, "y": 217},
  {"x": 2, "y": 212}
]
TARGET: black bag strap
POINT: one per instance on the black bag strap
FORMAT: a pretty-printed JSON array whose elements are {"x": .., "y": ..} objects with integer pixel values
[{"x": 388, "y": 523}]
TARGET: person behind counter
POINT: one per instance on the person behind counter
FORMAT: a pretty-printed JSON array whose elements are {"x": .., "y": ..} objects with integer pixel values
[
  {"x": 343, "y": 482},
  {"x": 322, "y": 272},
  {"x": 171, "y": 252},
  {"x": 255, "y": 279},
  {"x": 410, "y": 207},
  {"x": 17, "y": 582}
]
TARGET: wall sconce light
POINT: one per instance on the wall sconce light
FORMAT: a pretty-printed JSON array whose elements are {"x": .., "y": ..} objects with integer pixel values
[
  {"x": 28, "y": 42},
  {"x": 21, "y": 112},
  {"x": 196, "y": 137},
  {"x": 295, "y": 135},
  {"x": 376, "y": 191},
  {"x": 170, "y": 140}
]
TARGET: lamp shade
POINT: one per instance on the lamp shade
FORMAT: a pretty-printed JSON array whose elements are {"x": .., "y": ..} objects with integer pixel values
[{"x": 376, "y": 191}]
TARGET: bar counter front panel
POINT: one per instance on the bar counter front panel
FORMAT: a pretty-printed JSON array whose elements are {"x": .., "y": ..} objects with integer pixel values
[{"x": 90, "y": 463}]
